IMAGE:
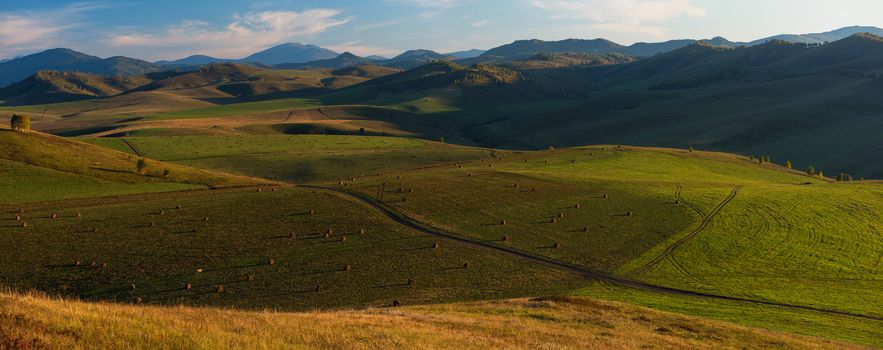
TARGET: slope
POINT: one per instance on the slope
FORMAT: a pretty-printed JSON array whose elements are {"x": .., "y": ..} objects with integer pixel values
[
  {"x": 46, "y": 167},
  {"x": 559, "y": 322}
]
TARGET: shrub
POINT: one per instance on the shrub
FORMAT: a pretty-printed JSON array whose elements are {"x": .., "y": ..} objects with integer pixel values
[
  {"x": 141, "y": 166},
  {"x": 810, "y": 170},
  {"x": 20, "y": 123}
]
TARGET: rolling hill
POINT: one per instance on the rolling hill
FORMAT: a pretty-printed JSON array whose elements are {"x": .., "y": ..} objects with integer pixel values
[
  {"x": 69, "y": 60},
  {"x": 54, "y": 86},
  {"x": 344, "y": 60}
]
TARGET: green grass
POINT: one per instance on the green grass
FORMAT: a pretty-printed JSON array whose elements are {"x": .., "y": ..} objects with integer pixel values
[
  {"x": 298, "y": 157},
  {"x": 238, "y": 108},
  {"x": 24, "y": 183},
  {"x": 82, "y": 158},
  {"x": 814, "y": 245},
  {"x": 770, "y": 317},
  {"x": 785, "y": 238},
  {"x": 244, "y": 230}
]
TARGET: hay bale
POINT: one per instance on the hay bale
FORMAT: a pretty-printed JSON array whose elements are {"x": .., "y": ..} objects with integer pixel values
[
  {"x": 18, "y": 218},
  {"x": 150, "y": 224},
  {"x": 465, "y": 265},
  {"x": 178, "y": 206},
  {"x": 330, "y": 231},
  {"x": 78, "y": 214},
  {"x": 220, "y": 289},
  {"x": 93, "y": 263},
  {"x": 502, "y": 222},
  {"x": 95, "y": 230},
  {"x": 205, "y": 219},
  {"x": 24, "y": 225},
  {"x": 312, "y": 212},
  {"x": 103, "y": 264},
  {"x": 259, "y": 190},
  {"x": 348, "y": 268},
  {"x": 435, "y": 245},
  {"x": 271, "y": 262},
  {"x": 556, "y": 245},
  {"x": 132, "y": 287},
  {"x": 21, "y": 210},
  {"x": 606, "y": 196},
  {"x": 318, "y": 288},
  {"x": 505, "y": 238},
  {"x": 188, "y": 286},
  {"x": 410, "y": 190},
  {"x": 396, "y": 303},
  {"x": 553, "y": 221},
  {"x": 468, "y": 174},
  {"x": 343, "y": 239},
  {"x": 54, "y": 216},
  {"x": 193, "y": 231},
  {"x": 577, "y": 206},
  {"x": 162, "y": 212},
  {"x": 586, "y": 229},
  {"x": 327, "y": 235},
  {"x": 560, "y": 215},
  {"x": 250, "y": 278},
  {"x": 138, "y": 301},
  {"x": 411, "y": 281},
  {"x": 361, "y": 231},
  {"x": 77, "y": 263},
  {"x": 629, "y": 213}
]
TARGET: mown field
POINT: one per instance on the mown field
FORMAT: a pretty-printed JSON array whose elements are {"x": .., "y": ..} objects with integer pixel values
[
  {"x": 698, "y": 221},
  {"x": 265, "y": 249}
]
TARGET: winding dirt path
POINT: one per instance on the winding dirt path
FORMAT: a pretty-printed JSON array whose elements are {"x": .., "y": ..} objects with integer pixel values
[
  {"x": 425, "y": 228},
  {"x": 702, "y": 226}
]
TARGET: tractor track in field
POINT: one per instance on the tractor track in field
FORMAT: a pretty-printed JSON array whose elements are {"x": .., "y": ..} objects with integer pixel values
[
  {"x": 132, "y": 147},
  {"x": 679, "y": 196},
  {"x": 425, "y": 228},
  {"x": 706, "y": 220}
]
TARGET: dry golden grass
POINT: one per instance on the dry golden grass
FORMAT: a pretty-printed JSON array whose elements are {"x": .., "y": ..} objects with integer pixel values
[{"x": 33, "y": 321}]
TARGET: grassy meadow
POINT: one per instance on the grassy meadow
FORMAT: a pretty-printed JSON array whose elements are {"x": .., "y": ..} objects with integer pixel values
[{"x": 564, "y": 323}]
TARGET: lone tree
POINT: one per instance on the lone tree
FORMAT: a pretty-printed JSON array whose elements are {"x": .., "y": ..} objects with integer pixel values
[
  {"x": 20, "y": 123},
  {"x": 811, "y": 171},
  {"x": 141, "y": 166}
]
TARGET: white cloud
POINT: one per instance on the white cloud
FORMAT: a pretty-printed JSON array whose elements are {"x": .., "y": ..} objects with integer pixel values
[
  {"x": 438, "y": 4},
  {"x": 244, "y": 35},
  {"x": 623, "y": 16},
  {"x": 481, "y": 23},
  {"x": 28, "y": 31}
]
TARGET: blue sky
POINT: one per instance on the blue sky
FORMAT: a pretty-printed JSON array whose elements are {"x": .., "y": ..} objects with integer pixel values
[{"x": 165, "y": 29}]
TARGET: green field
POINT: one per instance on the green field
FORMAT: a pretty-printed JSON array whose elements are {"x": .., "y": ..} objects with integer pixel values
[
  {"x": 238, "y": 108},
  {"x": 696, "y": 221},
  {"x": 243, "y": 231},
  {"x": 297, "y": 158}
]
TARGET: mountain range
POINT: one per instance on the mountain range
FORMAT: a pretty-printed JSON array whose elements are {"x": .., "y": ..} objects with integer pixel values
[{"x": 298, "y": 55}]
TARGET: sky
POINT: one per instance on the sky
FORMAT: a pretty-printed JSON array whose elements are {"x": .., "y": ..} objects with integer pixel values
[{"x": 172, "y": 29}]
